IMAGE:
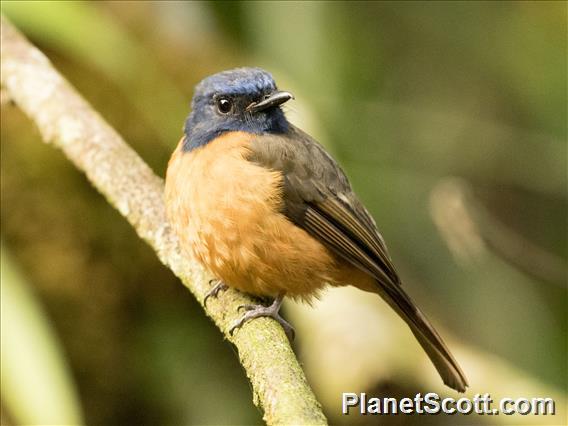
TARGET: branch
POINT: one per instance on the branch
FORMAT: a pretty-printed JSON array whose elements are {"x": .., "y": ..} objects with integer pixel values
[
  {"x": 68, "y": 122},
  {"x": 468, "y": 227}
]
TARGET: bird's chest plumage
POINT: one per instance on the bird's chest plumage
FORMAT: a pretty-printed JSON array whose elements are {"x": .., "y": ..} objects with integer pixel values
[{"x": 226, "y": 211}]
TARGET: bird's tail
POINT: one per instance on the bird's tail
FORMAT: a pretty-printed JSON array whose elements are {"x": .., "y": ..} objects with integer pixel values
[{"x": 429, "y": 339}]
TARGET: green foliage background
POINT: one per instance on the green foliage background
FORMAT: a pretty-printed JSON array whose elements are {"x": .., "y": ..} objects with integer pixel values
[{"x": 405, "y": 94}]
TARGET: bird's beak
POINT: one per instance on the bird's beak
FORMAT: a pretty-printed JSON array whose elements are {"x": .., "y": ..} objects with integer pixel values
[{"x": 274, "y": 99}]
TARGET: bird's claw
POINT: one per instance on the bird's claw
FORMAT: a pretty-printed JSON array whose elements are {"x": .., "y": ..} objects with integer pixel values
[
  {"x": 257, "y": 311},
  {"x": 248, "y": 307},
  {"x": 214, "y": 292}
]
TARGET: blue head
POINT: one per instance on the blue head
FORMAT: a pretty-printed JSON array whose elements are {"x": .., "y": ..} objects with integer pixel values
[{"x": 242, "y": 99}]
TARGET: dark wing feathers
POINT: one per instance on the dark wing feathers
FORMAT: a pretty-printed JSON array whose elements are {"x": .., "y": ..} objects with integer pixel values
[
  {"x": 319, "y": 199},
  {"x": 343, "y": 242},
  {"x": 315, "y": 184},
  {"x": 321, "y": 227},
  {"x": 346, "y": 218}
]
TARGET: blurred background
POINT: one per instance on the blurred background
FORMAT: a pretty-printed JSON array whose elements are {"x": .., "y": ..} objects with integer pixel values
[{"x": 448, "y": 117}]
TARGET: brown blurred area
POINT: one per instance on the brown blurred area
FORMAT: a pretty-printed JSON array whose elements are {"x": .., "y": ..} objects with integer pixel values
[{"x": 449, "y": 118}]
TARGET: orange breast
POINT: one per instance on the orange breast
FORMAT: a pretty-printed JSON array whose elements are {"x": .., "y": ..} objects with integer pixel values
[{"x": 226, "y": 211}]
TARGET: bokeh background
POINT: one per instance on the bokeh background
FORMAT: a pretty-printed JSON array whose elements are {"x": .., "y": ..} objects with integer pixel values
[{"x": 449, "y": 118}]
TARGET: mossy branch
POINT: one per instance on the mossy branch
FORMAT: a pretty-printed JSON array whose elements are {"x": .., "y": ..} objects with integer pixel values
[{"x": 68, "y": 122}]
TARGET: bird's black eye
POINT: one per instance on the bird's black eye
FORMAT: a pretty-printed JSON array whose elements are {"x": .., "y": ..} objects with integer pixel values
[{"x": 224, "y": 105}]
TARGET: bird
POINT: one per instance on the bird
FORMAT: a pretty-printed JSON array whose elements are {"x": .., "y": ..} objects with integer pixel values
[{"x": 266, "y": 210}]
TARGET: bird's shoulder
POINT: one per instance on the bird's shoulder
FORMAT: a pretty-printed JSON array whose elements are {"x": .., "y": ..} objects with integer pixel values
[
  {"x": 307, "y": 167},
  {"x": 318, "y": 197}
]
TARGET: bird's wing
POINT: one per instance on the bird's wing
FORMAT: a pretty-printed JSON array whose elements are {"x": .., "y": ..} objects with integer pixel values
[{"x": 318, "y": 198}]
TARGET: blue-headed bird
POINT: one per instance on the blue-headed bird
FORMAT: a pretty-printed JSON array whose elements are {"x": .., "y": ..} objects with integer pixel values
[{"x": 265, "y": 209}]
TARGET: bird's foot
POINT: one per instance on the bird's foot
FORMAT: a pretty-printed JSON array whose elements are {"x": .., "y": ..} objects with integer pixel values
[
  {"x": 214, "y": 292},
  {"x": 272, "y": 311}
]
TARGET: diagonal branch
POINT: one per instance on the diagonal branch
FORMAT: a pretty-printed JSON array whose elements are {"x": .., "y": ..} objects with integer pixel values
[
  {"x": 468, "y": 227},
  {"x": 68, "y": 122}
]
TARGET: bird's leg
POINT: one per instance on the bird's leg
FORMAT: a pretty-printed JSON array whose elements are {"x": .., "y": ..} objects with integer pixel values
[
  {"x": 214, "y": 292},
  {"x": 272, "y": 311}
]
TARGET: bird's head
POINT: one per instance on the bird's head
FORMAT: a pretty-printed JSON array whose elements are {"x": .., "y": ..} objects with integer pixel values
[{"x": 242, "y": 99}]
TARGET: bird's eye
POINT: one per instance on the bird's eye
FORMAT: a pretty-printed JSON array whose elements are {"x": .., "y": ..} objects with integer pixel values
[{"x": 224, "y": 105}]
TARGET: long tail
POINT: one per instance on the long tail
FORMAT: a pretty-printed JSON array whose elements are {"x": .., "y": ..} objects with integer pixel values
[{"x": 427, "y": 336}]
